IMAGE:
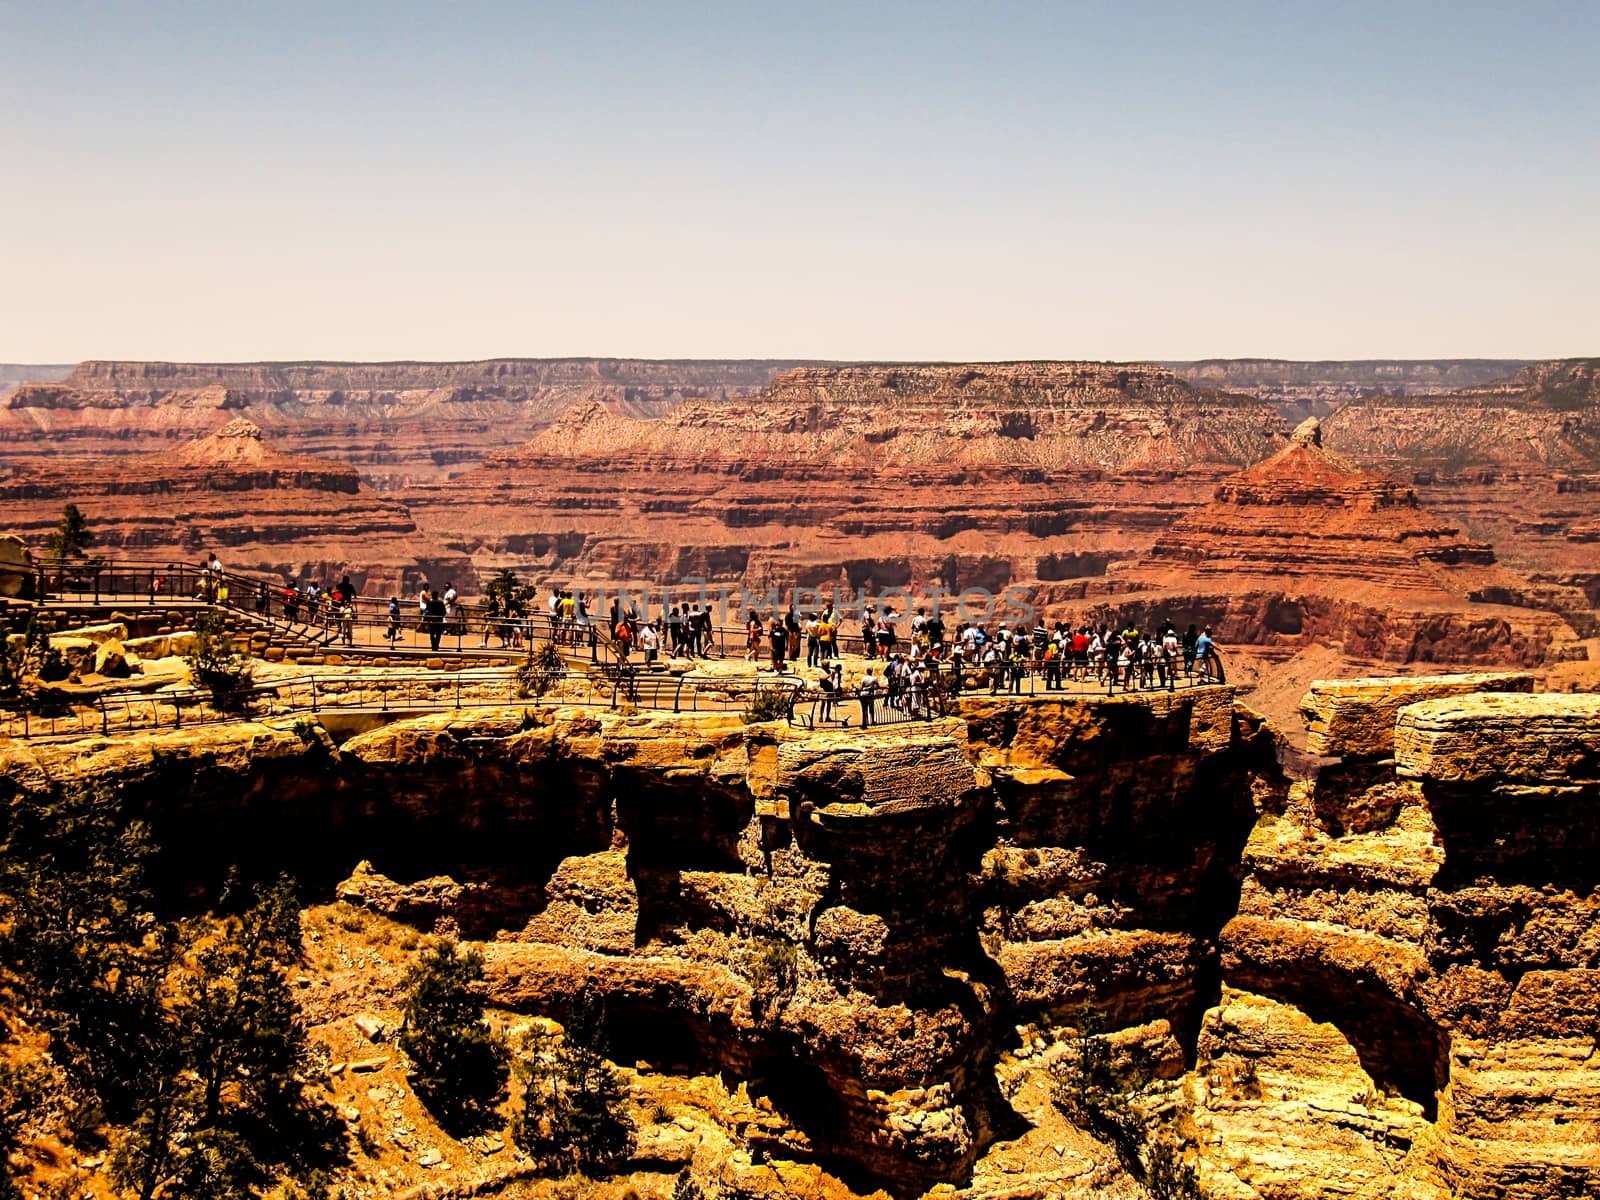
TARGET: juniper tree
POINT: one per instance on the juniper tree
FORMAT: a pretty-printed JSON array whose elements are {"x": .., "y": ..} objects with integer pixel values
[{"x": 458, "y": 1065}]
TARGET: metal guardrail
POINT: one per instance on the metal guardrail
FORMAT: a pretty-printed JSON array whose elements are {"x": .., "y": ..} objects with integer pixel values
[
  {"x": 388, "y": 692},
  {"x": 178, "y": 585}
]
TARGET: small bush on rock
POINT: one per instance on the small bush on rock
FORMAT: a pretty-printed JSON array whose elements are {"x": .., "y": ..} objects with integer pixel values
[
  {"x": 216, "y": 664},
  {"x": 542, "y": 672},
  {"x": 767, "y": 704}
]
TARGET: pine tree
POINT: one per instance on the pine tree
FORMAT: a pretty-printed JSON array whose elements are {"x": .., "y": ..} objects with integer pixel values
[
  {"x": 182, "y": 1032},
  {"x": 574, "y": 1104},
  {"x": 508, "y": 589},
  {"x": 458, "y": 1066},
  {"x": 71, "y": 536}
]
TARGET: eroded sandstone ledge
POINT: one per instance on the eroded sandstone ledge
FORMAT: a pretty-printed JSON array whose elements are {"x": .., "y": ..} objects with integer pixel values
[{"x": 1379, "y": 983}]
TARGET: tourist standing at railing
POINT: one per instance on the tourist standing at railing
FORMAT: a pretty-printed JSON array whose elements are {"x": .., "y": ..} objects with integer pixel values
[
  {"x": 434, "y": 614},
  {"x": 1052, "y": 666},
  {"x": 423, "y": 597},
  {"x": 791, "y": 633},
  {"x": 752, "y": 637},
  {"x": 1191, "y": 638},
  {"x": 393, "y": 631},
  {"x": 491, "y": 620},
  {"x": 828, "y": 687},
  {"x": 867, "y": 693},
  {"x": 778, "y": 637},
  {"x": 1204, "y": 648},
  {"x": 649, "y": 642},
  {"x": 869, "y": 634}
]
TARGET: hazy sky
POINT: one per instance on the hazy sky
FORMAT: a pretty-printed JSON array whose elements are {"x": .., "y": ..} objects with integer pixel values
[{"x": 872, "y": 180}]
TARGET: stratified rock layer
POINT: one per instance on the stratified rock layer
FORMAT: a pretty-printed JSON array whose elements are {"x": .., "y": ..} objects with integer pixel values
[
  {"x": 396, "y": 422},
  {"x": 1436, "y": 910},
  {"x": 983, "y": 475},
  {"x": 232, "y": 492}
]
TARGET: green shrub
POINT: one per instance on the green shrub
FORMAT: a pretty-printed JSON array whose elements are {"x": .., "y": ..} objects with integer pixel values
[
  {"x": 541, "y": 672},
  {"x": 770, "y": 967},
  {"x": 769, "y": 702},
  {"x": 216, "y": 664},
  {"x": 1096, "y": 1096},
  {"x": 458, "y": 1065},
  {"x": 1166, "y": 1175}
]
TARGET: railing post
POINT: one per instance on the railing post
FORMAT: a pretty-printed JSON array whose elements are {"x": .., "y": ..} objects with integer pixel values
[
  {"x": 97, "y": 585},
  {"x": 314, "y": 698},
  {"x": 105, "y": 718}
]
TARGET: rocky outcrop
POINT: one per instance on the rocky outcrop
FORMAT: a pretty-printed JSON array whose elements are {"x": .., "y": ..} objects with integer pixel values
[
  {"x": 1432, "y": 909},
  {"x": 850, "y": 923},
  {"x": 234, "y": 493},
  {"x": 395, "y": 422},
  {"x": 1355, "y": 718}
]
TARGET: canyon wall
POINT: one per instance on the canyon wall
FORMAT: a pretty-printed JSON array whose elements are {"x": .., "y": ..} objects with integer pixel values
[
  {"x": 1071, "y": 480},
  {"x": 1306, "y": 389},
  {"x": 1376, "y": 983},
  {"x": 973, "y": 475},
  {"x": 1515, "y": 463},
  {"x": 395, "y": 422},
  {"x": 233, "y": 493}
]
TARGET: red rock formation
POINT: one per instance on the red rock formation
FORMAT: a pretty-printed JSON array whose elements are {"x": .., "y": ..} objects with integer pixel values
[
  {"x": 394, "y": 421},
  {"x": 233, "y": 493},
  {"x": 1515, "y": 463},
  {"x": 970, "y": 475},
  {"x": 1307, "y": 546}
]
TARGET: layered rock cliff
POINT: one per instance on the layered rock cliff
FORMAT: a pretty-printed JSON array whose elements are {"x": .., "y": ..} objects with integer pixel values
[
  {"x": 979, "y": 475},
  {"x": 233, "y": 492},
  {"x": 1305, "y": 546},
  {"x": 1429, "y": 897},
  {"x": 395, "y": 422},
  {"x": 1373, "y": 983}
]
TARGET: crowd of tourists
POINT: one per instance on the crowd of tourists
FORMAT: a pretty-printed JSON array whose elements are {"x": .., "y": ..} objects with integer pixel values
[{"x": 913, "y": 652}]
